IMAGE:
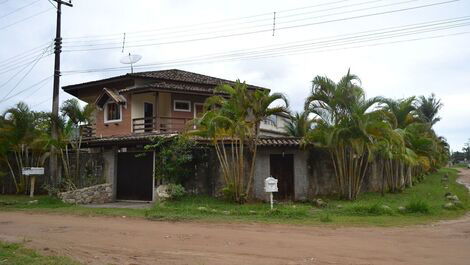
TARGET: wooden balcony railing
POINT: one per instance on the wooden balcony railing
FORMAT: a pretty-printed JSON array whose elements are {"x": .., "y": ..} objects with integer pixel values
[
  {"x": 159, "y": 124},
  {"x": 87, "y": 131}
]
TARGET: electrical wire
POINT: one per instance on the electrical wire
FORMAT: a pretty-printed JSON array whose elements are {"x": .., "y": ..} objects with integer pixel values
[
  {"x": 26, "y": 18},
  {"x": 326, "y": 42},
  {"x": 269, "y": 30},
  {"x": 20, "y": 8},
  {"x": 26, "y": 89}
]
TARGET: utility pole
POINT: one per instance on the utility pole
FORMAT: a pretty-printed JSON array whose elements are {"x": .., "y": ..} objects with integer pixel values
[{"x": 53, "y": 162}]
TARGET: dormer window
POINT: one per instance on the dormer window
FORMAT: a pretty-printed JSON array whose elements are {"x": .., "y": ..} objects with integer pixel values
[{"x": 112, "y": 112}]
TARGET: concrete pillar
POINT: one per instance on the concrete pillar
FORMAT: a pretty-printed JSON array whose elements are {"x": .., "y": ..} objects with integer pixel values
[{"x": 110, "y": 168}]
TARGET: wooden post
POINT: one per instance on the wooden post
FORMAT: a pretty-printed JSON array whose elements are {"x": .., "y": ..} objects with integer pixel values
[{"x": 31, "y": 192}]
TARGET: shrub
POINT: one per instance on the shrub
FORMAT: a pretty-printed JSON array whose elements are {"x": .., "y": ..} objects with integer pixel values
[
  {"x": 175, "y": 191},
  {"x": 418, "y": 206}
]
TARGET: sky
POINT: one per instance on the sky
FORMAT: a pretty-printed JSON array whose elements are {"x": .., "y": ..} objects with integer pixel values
[{"x": 431, "y": 56}]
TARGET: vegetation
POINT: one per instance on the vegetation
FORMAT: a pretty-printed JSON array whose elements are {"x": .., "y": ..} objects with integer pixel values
[
  {"x": 358, "y": 131},
  {"x": 234, "y": 121},
  {"x": 421, "y": 204},
  {"x": 299, "y": 124},
  {"x": 25, "y": 141},
  {"x": 173, "y": 157},
  {"x": 18, "y": 255}
]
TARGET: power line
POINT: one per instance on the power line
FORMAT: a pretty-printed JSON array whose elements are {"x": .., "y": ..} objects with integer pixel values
[
  {"x": 26, "y": 18},
  {"x": 332, "y": 41},
  {"x": 270, "y": 29},
  {"x": 24, "y": 76},
  {"x": 26, "y": 89},
  {"x": 22, "y": 54},
  {"x": 218, "y": 22},
  {"x": 235, "y": 26},
  {"x": 19, "y": 9}
]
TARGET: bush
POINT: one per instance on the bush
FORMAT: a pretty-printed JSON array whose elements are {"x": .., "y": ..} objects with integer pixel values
[
  {"x": 418, "y": 206},
  {"x": 175, "y": 191}
]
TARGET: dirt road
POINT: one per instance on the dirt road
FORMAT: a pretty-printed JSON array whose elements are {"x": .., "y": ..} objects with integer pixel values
[{"x": 101, "y": 240}]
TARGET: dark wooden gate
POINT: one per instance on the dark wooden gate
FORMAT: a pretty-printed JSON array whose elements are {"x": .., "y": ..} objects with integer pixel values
[
  {"x": 135, "y": 176},
  {"x": 282, "y": 169}
]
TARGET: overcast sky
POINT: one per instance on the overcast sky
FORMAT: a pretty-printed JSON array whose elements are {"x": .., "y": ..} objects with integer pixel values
[{"x": 395, "y": 66}]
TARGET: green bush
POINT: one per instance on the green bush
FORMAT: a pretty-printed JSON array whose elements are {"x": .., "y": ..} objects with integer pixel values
[
  {"x": 176, "y": 191},
  {"x": 418, "y": 206}
]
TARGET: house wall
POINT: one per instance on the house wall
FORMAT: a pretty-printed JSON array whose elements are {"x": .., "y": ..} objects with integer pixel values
[
  {"x": 262, "y": 171},
  {"x": 138, "y": 100},
  {"x": 269, "y": 129},
  {"x": 192, "y": 98},
  {"x": 122, "y": 127}
]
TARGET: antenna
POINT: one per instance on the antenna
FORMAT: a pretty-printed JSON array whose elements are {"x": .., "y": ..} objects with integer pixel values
[{"x": 130, "y": 59}]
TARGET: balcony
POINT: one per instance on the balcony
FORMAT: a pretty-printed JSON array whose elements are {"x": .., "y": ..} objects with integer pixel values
[{"x": 159, "y": 124}]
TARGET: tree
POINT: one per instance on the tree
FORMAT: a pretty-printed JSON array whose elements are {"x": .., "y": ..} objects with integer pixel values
[
  {"x": 77, "y": 116},
  {"x": 231, "y": 120},
  {"x": 428, "y": 108},
  {"x": 299, "y": 124},
  {"x": 347, "y": 126}
]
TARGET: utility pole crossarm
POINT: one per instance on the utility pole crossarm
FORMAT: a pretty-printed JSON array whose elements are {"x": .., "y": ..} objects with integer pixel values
[{"x": 64, "y": 3}]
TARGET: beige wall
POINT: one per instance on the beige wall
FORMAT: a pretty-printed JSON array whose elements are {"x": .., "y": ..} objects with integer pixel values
[{"x": 138, "y": 101}]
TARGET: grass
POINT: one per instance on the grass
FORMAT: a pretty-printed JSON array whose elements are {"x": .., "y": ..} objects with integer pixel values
[
  {"x": 16, "y": 254},
  {"x": 422, "y": 203}
]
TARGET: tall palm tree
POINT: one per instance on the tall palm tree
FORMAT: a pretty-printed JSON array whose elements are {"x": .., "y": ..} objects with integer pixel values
[
  {"x": 428, "y": 108},
  {"x": 348, "y": 126},
  {"x": 231, "y": 120},
  {"x": 77, "y": 116}
]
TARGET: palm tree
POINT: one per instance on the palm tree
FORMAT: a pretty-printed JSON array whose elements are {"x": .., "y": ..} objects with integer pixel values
[
  {"x": 347, "y": 126},
  {"x": 428, "y": 108},
  {"x": 299, "y": 124},
  {"x": 77, "y": 116},
  {"x": 232, "y": 123}
]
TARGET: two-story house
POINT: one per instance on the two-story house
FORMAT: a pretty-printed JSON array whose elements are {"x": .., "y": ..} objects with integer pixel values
[{"x": 133, "y": 108}]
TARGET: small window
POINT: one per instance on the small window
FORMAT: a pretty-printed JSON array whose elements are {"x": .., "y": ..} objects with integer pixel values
[
  {"x": 271, "y": 120},
  {"x": 182, "y": 105},
  {"x": 112, "y": 112}
]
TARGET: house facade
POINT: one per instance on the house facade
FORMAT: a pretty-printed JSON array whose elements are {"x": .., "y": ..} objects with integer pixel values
[{"x": 132, "y": 109}]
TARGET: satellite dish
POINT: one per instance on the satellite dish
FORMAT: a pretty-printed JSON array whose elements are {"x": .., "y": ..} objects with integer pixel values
[{"x": 130, "y": 59}]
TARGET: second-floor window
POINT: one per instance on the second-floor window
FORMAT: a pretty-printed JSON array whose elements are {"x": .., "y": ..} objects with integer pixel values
[
  {"x": 271, "y": 120},
  {"x": 112, "y": 112},
  {"x": 182, "y": 105}
]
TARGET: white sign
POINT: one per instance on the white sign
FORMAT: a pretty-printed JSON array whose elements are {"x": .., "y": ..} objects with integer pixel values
[
  {"x": 33, "y": 171},
  {"x": 270, "y": 185}
]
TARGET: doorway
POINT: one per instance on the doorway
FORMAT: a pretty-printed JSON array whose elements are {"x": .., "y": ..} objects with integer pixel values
[
  {"x": 148, "y": 117},
  {"x": 134, "y": 176},
  {"x": 282, "y": 169}
]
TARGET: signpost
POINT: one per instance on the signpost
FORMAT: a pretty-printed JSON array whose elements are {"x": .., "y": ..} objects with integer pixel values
[
  {"x": 270, "y": 185},
  {"x": 33, "y": 172}
]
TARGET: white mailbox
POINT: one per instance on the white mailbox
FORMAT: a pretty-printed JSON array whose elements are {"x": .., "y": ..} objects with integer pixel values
[{"x": 270, "y": 184}]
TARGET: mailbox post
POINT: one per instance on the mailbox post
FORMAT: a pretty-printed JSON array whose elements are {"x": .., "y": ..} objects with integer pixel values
[
  {"x": 33, "y": 172},
  {"x": 270, "y": 186}
]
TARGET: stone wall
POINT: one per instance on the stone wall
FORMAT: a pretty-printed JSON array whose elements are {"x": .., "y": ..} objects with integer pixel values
[{"x": 95, "y": 194}]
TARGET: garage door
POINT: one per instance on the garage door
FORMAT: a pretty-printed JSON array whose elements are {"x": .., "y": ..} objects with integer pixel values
[{"x": 135, "y": 176}]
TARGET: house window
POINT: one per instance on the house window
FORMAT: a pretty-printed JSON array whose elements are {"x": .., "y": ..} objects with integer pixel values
[
  {"x": 271, "y": 120},
  {"x": 112, "y": 112},
  {"x": 182, "y": 105}
]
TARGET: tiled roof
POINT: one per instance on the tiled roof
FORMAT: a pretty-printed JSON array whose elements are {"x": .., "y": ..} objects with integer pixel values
[
  {"x": 147, "y": 137},
  {"x": 111, "y": 93},
  {"x": 173, "y": 86},
  {"x": 172, "y": 75}
]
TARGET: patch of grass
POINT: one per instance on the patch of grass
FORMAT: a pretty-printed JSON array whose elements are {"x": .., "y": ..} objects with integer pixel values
[
  {"x": 423, "y": 203},
  {"x": 16, "y": 254},
  {"x": 418, "y": 206}
]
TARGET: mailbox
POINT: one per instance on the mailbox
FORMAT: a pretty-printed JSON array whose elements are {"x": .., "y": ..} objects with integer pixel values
[{"x": 270, "y": 184}]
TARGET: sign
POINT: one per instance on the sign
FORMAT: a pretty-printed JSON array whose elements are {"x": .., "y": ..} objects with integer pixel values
[
  {"x": 28, "y": 171},
  {"x": 270, "y": 185}
]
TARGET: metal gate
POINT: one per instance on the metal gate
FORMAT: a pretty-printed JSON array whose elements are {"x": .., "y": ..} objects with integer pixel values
[{"x": 135, "y": 176}]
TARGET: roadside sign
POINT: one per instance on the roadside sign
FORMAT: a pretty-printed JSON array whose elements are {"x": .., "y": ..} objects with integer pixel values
[{"x": 28, "y": 171}]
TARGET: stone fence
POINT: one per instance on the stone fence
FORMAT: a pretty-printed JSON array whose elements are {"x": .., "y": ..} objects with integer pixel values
[{"x": 95, "y": 194}]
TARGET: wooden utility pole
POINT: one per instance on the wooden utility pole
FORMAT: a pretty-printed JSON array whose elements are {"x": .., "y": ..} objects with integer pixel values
[{"x": 53, "y": 162}]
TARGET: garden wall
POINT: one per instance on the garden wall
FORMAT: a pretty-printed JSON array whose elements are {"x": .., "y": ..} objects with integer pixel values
[{"x": 95, "y": 194}]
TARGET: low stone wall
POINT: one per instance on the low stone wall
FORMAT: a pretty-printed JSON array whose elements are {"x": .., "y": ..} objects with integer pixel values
[{"x": 95, "y": 194}]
